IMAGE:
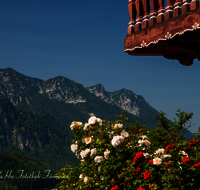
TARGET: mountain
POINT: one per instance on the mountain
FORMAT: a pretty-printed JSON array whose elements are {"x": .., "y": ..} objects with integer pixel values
[
  {"x": 69, "y": 101},
  {"x": 127, "y": 101},
  {"x": 36, "y": 136}
]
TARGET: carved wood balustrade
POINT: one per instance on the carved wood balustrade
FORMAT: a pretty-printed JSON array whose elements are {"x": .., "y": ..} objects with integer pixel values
[
  {"x": 171, "y": 30},
  {"x": 159, "y": 13}
]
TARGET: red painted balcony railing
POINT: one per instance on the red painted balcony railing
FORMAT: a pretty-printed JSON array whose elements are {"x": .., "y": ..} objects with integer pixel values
[
  {"x": 168, "y": 28},
  {"x": 141, "y": 17}
]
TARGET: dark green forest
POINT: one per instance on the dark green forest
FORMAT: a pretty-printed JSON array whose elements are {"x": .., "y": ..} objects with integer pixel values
[{"x": 22, "y": 173}]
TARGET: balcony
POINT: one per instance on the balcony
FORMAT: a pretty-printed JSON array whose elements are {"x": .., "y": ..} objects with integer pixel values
[{"x": 170, "y": 29}]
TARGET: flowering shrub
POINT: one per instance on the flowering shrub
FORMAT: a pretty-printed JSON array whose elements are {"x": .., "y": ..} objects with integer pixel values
[{"x": 114, "y": 158}]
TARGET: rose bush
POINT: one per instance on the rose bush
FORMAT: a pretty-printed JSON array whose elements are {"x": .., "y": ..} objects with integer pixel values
[{"x": 114, "y": 158}]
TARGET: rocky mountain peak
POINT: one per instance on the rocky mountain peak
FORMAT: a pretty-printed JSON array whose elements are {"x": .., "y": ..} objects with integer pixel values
[{"x": 100, "y": 92}]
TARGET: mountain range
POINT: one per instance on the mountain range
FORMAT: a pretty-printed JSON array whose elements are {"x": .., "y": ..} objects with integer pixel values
[
  {"x": 78, "y": 102},
  {"x": 35, "y": 114}
]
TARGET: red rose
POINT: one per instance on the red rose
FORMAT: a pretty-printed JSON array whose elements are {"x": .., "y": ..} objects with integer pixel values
[
  {"x": 140, "y": 188},
  {"x": 168, "y": 147},
  {"x": 167, "y": 165},
  {"x": 193, "y": 143},
  {"x": 115, "y": 187},
  {"x": 139, "y": 155},
  {"x": 137, "y": 170},
  {"x": 197, "y": 165},
  {"x": 146, "y": 175},
  {"x": 150, "y": 161},
  {"x": 186, "y": 159},
  {"x": 135, "y": 160}
]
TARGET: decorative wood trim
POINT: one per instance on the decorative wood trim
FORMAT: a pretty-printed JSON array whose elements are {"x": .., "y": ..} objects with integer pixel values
[{"x": 168, "y": 36}]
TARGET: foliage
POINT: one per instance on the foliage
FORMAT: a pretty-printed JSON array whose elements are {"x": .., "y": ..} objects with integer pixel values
[
  {"x": 36, "y": 136},
  {"x": 22, "y": 173},
  {"x": 132, "y": 157}
]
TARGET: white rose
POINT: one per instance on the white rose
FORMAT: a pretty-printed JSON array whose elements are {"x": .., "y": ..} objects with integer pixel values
[
  {"x": 165, "y": 156},
  {"x": 157, "y": 161},
  {"x": 99, "y": 121},
  {"x": 75, "y": 124},
  {"x": 183, "y": 153},
  {"x": 124, "y": 133},
  {"x": 118, "y": 125},
  {"x": 146, "y": 155},
  {"x": 85, "y": 152},
  {"x": 112, "y": 132},
  {"x": 159, "y": 151},
  {"x": 93, "y": 151},
  {"x": 106, "y": 154},
  {"x": 140, "y": 142},
  {"x": 74, "y": 148},
  {"x": 81, "y": 176},
  {"x": 143, "y": 137},
  {"x": 86, "y": 179},
  {"x": 92, "y": 120},
  {"x": 146, "y": 142},
  {"x": 85, "y": 128},
  {"x": 86, "y": 140},
  {"x": 117, "y": 140},
  {"x": 98, "y": 159}
]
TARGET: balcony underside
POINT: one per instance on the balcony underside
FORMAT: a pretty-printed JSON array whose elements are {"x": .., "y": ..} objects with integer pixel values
[{"x": 177, "y": 38}]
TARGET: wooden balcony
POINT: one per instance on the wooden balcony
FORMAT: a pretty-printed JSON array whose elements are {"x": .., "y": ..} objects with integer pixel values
[{"x": 172, "y": 31}]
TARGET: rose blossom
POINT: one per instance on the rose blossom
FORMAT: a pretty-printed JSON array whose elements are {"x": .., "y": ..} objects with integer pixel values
[
  {"x": 93, "y": 151},
  {"x": 183, "y": 153},
  {"x": 146, "y": 142},
  {"x": 85, "y": 128},
  {"x": 99, "y": 121},
  {"x": 112, "y": 132},
  {"x": 81, "y": 176},
  {"x": 92, "y": 120},
  {"x": 106, "y": 154},
  {"x": 147, "y": 155},
  {"x": 165, "y": 156},
  {"x": 186, "y": 159},
  {"x": 137, "y": 170},
  {"x": 117, "y": 140},
  {"x": 86, "y": 140},
  {"x": 118, "y": 125},
  {"x": 143, "y": 137},
  {"x": 197, "y": 165},
  {"x": 98, "y": 159},
  {"x": 157, "y": 161},
  {"x": 150, "y": 161},
  {"x": 140, "y": 188},
  {"x": 159, "y": 151},
  {"x": 146, "y": 175},
  {"x": 75, "y": 124},
  {"x": 139, "y": 157},
  {"x": 84, "y": 152},
  {"x": 167, "y": 165},
  {"x": 74, "y": 148},
  {"x": 124, "y": 133},
  {"x": 86, "y": 179},
  {"x": 115, "y": 187}
]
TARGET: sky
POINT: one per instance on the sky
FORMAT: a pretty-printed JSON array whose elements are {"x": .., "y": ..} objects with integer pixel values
[{"x": 84, "y": 41}]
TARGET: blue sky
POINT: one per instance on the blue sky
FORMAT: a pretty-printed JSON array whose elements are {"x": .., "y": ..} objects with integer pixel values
[{"x": 84, "y": 41}]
